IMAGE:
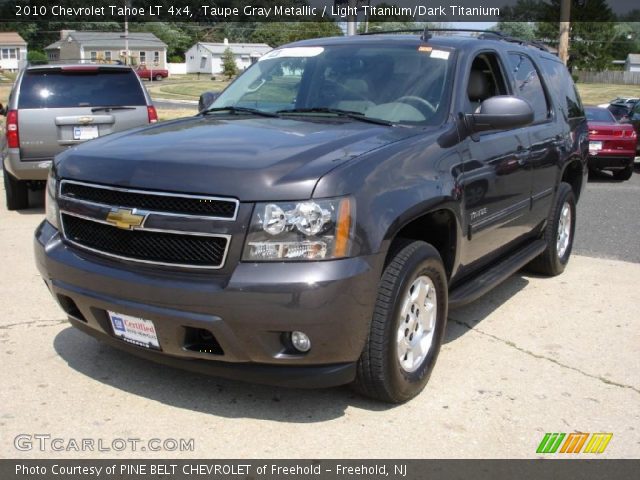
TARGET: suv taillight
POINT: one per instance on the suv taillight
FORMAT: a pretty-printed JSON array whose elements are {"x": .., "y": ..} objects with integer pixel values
[
  {"x": 13, "y": 137},
  {"x": 153, "y": 115}
]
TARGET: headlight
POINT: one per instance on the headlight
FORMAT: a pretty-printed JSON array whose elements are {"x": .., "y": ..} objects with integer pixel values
[
  {"x": 50, "y": 202},
  {"x": 309, "y": 230}
]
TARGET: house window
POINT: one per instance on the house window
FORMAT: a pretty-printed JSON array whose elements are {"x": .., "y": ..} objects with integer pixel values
[
  {"x": 107, "y": 56},
  {"x": 156, "y": 58},
  {"x": 9, "y": 53},
  {"x": 203, "y": 62},
  {"x": 143, "y": 57},
  {"x": 94, "y": 56}
]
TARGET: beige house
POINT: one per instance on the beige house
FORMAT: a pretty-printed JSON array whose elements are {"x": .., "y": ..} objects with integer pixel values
[
  {"x": 13, "y": 51},
  {"x": 144, "y": 48}
]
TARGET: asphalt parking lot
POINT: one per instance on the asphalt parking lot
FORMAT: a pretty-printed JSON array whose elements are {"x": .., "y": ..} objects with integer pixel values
[{"x": 536, "y": 355}]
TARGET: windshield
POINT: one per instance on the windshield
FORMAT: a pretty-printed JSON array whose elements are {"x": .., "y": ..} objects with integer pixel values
[
  {"x": 393, "y": 83},
  {"x": 599, "y": 115}
]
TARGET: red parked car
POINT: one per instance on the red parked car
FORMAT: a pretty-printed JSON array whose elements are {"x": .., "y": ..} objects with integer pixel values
[
  {"x": 148, "y": 73},
  {"x": 612, "y": 145}
]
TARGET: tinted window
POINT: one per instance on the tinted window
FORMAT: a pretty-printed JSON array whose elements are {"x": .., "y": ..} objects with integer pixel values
[
  {"x": 63, "y": 89},
  {"x": 528, "y": 85},
  {"x": 599, "y": 115},
  {"x": 618, "y": 111},
  {"x": 561, "y": 84}
]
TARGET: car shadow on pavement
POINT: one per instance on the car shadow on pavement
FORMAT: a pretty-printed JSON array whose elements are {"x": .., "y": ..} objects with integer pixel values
[
  {"x": 463, "y": 319},
  {"x": 202, "y": 393},
  {"x": 605, "y": 177}
]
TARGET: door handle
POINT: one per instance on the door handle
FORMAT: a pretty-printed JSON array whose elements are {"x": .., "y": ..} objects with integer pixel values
[{"x": 522, "y": 155}]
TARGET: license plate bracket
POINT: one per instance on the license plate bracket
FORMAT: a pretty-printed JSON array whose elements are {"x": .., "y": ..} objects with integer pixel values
[
  {"x": 135, "y": 330},
  {"x": 85, "y": 132},
  {"x": 595, "y": 146}
]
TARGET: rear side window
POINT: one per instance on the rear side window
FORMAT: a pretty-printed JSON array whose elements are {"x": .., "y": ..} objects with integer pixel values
[
  {"x": 561, "y": 83},
  {"x": 528, "y": 85},
  {"x": 67, "y": 89}
]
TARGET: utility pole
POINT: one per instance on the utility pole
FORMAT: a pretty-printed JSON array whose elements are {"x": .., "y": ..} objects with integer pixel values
[
  {"x": 126, "y": 35},
  {"x": 565, "y": 27},
  {"x": 352, "y": 17}
]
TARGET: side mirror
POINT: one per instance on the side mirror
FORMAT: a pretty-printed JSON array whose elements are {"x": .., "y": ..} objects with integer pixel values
[
  {"x": 206, "y": 99},
  {"x": 502, "y": 112}
]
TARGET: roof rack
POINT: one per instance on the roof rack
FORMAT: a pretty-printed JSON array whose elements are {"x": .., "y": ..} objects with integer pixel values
[{"x": 484, "y": 35}]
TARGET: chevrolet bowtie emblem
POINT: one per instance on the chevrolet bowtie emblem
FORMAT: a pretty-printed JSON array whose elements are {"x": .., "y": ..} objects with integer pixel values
[
  {"x": 85, "y": 120},
  {"x": 125, "y": 219}
]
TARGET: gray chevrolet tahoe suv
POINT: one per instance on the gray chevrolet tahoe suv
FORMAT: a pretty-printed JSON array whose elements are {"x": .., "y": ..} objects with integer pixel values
[
  {"x": 312, "y": 226},
  {"x": 52, "y": 107}
]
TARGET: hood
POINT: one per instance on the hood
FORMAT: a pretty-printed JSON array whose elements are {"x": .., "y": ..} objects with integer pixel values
[{"x": 249, "y": 158}]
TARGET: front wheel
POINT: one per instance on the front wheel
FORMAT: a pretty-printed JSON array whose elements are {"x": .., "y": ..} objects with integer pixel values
[
  {"x": 558, "y": 234},
  {"x": 407, "y": 327},
  {"x": 158, "y": 78}
]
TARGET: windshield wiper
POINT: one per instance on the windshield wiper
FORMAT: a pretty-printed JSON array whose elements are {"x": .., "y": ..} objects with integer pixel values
[
  {"x": 253, "y": 111},
  {"x": 339, "y": 112},
  {"x": 97, "y": 109}
]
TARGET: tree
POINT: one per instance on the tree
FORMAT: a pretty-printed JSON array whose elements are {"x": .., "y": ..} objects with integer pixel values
[
  {"x": 275, "y": 34},
  {"x": 523, "y": 30},
  {"x": 176, "y": 38},
  {"x": 229, "y": 66},
  {"x": 35, "y": 56}
]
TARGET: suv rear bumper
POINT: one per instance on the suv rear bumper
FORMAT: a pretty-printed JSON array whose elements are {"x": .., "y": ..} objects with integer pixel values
[
  {"x": 22, "y": 170},
  {"x": 248, "y": 312}
]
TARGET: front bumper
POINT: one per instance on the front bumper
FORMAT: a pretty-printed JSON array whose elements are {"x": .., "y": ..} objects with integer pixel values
[{"x": 247, "y": 311}]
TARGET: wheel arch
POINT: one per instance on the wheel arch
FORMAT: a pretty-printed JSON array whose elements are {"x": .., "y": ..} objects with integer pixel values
[
  {"x": 574, "y": 173},
  {"x": 439, "y": 227}
]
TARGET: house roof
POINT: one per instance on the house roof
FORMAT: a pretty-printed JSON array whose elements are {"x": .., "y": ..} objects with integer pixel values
[
  {"x": 11, "y": 38},
  {"x": 112, "y": 40},
  {"x": 633, "y": 58},
  {"x": 236, "y": 48}
]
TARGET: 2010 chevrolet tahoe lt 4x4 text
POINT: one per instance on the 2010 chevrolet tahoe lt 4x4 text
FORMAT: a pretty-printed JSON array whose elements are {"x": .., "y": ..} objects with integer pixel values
[{"x": 312, "y": 226}]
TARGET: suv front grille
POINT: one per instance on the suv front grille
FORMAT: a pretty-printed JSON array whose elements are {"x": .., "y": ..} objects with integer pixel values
[
  {"x": 153, "y": 201},
  {"x": 146, "y": 246}
]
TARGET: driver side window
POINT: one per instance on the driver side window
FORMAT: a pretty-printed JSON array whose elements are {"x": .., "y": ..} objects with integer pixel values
[{"x": 485, "y": 80}]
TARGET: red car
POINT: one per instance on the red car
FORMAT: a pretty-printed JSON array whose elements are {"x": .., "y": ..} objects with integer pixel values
[
  {"x": 612, "y": 145},
  {"x": 148, "y": 73}
]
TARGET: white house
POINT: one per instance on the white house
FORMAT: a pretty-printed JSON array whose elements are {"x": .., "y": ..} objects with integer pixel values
[
  {"x": 13, "y": 51},
  {"x": 632, "y": 63},
  {"x": 206, "y": 57}
]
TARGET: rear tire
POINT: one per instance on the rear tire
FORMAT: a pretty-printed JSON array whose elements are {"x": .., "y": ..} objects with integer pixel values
[
  {"x": 558, "y": 234},
  {"x": 158, "y": 78},
  {"x": 16, "y": 191},
  {"x": 624, "y": 174},
  {"x": 403, "y": 342}
]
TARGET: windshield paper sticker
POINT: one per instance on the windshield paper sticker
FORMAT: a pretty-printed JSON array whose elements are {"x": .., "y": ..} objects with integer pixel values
[
  {"x": 443, "y": 54},
  {"x": 300, "y": 52}
]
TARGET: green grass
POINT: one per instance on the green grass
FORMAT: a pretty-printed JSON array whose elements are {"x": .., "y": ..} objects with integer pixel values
[
  {"x": 165, "y": 114},
  {"x": 180, "y": 89},
  {"x": 596, "y": 93}
]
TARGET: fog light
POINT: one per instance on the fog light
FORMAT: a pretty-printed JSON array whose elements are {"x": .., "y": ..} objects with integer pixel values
[{"x": 300, "y": 341}]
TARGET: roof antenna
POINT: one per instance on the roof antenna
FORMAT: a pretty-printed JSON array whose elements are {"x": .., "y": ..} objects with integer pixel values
[{"x": 425, "y": 34}]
